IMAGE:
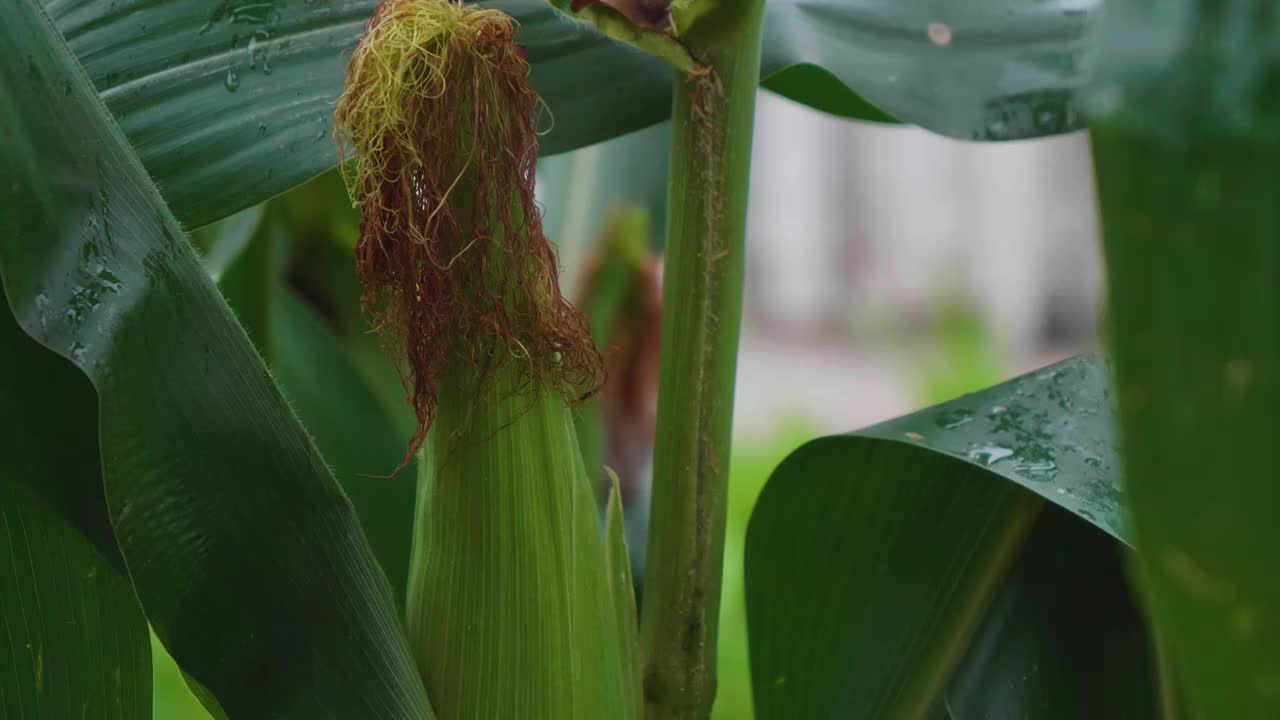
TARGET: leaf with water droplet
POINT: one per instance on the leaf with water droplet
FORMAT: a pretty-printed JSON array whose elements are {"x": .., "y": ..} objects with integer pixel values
[
  {"x": 1048, "y": 430},
  {"x": 954, "y": 418},
  {"x": 989, "y": 454}
]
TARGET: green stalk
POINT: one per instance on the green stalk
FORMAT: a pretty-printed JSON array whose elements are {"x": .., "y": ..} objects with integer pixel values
[{"x": 712, "y": 121}]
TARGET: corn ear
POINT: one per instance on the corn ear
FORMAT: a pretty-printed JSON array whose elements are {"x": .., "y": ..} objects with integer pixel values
[{"x": 511, "y": 600}]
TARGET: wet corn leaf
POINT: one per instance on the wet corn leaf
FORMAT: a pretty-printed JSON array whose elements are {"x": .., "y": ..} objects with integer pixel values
[
  {"x": 1062, "y": 639},
  {"x": 246, "y": 556},
  {"x": 229, "y": 103},
  {"x": 976, "y": 70},
  {"x": 1187, "y": 154},
  {"x": 874, "y": 559}
]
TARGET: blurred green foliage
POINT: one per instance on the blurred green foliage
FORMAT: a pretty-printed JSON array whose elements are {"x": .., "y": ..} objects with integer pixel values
[{"x": 962, "y": 357}]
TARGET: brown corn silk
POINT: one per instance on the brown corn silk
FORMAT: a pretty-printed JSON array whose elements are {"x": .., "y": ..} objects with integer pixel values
[{"x": 452, "y": 256}]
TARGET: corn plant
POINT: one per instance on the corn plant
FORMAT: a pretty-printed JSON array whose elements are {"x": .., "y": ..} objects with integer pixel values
[{"x": 331, "y": 443}]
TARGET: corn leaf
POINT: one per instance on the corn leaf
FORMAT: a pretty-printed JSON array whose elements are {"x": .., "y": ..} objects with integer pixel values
[
  {"x": 874, "y": 559},
  {"x": 1063, "y": 638},
  {"x": 229, "y": 103},
  {"x": 975, "y": 70},
  {"x": 245, "y": 554},
  {"x": 1187, "y": 155}
]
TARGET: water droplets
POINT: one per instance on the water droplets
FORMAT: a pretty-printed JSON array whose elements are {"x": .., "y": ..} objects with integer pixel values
[
  {"x": 42, "y": 309},
  {"x": 952, "y": 419},
  {"x": 939, "y": 34},
  {"x": 1038, "y": 469},
  {"x": 110, "y": 282},
  {"x": 242, "y": 12},
  {"x": 238, "y": 13},
  {"x": 988, "y": 455},
  {"x": 259, "y": 50}
]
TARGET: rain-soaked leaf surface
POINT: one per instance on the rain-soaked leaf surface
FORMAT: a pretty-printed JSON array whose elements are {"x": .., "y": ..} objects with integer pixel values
[
  {"x": 871, "y": 558},
  {"x": 1052, "y": 432},
  {"x": 1063, "y": 639},
  {"x": 212, "y": 485},
  {"x": 974, "y": 70}
]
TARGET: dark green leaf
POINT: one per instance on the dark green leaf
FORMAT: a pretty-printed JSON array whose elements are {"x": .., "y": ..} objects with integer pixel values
[
  {"x": 867, "y": 564},
  {"x": 73, "y": 642},
  {"x": 245, "y": 554},
  {"x": 1051, "y": 431},
  {"x": 1063, "y": 638},
  {"x": 1187, "y": 152},
  {"x": 871, "y": 557}
]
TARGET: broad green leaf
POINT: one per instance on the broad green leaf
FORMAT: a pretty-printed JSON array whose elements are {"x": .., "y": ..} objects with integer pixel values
[
  {"x": 1051, "y": 431},
  {"x": 73, "y": 642},
  {"x": 1063, "y": 638},
  {"x": 975, "y": 70},
  {"x": 245, "y": 554},
  {"x": 848, "y": 615},
  {"x": 359, "y": 440},
  {"x": 871, "y": 558},
  {"x": 354, "y": 432},
  {"x": 1187, "y": 154},
  {"x": 230, "y": 102}
]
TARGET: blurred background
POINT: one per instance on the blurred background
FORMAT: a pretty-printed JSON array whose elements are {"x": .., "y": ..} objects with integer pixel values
[{"x": 887, "y": 269}]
